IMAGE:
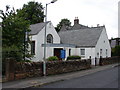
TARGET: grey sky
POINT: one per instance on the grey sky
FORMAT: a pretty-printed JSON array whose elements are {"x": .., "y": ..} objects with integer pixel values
[{"x": 89, "y": 12}]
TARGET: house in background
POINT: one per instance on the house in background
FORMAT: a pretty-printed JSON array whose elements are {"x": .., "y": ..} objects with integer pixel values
[
  {"x": 114, "y": 42},
  {"x": 90, "y": 42},
  {"x": 87, "y": 42}
]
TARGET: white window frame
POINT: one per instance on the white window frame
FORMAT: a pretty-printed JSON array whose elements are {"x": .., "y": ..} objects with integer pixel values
[
  {"x": 82, "y": 52},
  {"x": 49, "y": 38}
]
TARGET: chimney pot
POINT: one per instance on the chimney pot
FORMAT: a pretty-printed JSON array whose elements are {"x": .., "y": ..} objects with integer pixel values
[
  {"x": 76, "y": 20},
  {"x": 98, "y": 25}
]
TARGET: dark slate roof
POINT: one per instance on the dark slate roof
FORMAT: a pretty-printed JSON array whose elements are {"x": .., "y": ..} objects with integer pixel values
[
  {"x": 82, "y": 37},
  {"x": 58, "y": 45},
  {"x": 78, "y": 26},
  {"x": 74, "y": 27},
  {"x": 36, "y": 28}
]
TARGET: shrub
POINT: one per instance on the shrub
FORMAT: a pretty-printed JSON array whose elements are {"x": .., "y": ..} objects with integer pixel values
[
  {"x": 25, "y": 61},
  {"x": 11, "y": 52},
  {"x": 52, "y": 58},
  {"x": 116, "y": 51},
  {"x": 73, "y": 57}
]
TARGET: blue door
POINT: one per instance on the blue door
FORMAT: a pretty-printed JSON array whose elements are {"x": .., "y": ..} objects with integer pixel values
[{"x": 63, "y": 54}]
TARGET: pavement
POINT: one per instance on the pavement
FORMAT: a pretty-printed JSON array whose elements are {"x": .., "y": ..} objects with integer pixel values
[{"x": 38, "y": 81}]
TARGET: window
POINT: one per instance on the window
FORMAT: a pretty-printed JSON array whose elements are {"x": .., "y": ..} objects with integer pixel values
[
  {"x": 97, "y": 55},
  {"x": 69, "y": 52},
  {"x": 33, "y": 48},
  {"x": 106, "y": 52},
  {"x": 50, "y": 25},
  {"x": 49, "y": 38},
  {"x": 82, "y": 51},
  {"x": 100, "y": 52}
]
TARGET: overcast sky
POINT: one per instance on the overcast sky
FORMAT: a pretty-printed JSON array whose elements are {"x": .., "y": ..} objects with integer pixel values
[{"x": 89, "y": 12}]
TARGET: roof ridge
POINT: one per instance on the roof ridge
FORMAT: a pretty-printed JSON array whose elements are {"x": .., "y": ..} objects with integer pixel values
[
  {"x": 90, "y": 28},
  {"x": 40, "y": 23},
  {"x": 36, "y": 28}
]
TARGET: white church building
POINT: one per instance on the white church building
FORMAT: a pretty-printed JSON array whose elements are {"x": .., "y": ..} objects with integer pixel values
[{"x": 87, "y": 42}]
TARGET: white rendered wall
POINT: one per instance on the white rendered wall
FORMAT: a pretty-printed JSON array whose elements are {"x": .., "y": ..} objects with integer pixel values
[
  {"x": 103, "y": 43},
  {"x": 89, "y": 52},
  {"x": 39, "y": 40}
]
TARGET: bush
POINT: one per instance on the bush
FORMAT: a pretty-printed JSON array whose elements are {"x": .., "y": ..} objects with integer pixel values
[
  {"x": 73, "y": 57},
  {"x": 11, "y": 52},
  {"x": 25, "y": 61},
  {"x": 52, "y": 58},
  {"x": 116, "y": 51},
  {"x": 16, "y": 53}
]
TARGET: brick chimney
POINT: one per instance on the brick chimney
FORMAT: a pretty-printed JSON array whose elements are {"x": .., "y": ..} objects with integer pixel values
[{"x": 76, "y": 20}]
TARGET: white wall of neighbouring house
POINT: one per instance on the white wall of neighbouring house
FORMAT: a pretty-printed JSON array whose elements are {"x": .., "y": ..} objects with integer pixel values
[
  {"x": 75, "y": 51},
  {"x": 39, "y": 40},
  {"x": 67, "y": 51},
  {"x": 49, "y": 51},
  {"x": 103, "y": 43},
  {"x": 89, "y": 52}
]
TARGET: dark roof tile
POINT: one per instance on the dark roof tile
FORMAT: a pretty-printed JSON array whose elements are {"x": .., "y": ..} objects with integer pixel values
[
  {"x": 36, "y": 28},
  {"x": 82, "y": 37}
]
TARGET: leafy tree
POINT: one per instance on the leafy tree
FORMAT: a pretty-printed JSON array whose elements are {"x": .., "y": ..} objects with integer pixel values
[
  {"x": 33, "y": 12},
  {"x": 65, "y": 22},
  {"x": 13, "y": 34},
  {"x": 116, "y": 51}
]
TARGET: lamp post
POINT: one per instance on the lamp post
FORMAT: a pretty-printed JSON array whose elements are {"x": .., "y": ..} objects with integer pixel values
[{"x": 44, "y": 62}]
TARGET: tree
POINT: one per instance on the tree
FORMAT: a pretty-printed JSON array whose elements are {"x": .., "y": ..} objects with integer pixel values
[
  {"x": 65, "y": 22},
  {"x": 116, "y": 51},
  {"x": 13, "y": 34},
  {"x": 33, "y": 12}
]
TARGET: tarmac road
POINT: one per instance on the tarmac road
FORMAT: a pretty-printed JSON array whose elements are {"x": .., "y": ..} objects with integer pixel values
[{"x": 103, "y": 79}]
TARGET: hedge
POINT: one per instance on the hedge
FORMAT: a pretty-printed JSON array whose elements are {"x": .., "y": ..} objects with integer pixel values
[{"x": 74, "y": 57}]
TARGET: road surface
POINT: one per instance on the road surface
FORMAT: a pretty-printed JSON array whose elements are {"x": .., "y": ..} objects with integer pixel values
[{"x": 102, "y": 79}]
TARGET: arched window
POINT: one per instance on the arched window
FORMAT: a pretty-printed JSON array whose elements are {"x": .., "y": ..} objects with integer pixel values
[{"x": 49, "y": 38}]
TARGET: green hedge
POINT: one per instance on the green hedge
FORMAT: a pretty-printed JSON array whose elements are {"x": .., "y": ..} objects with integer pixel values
[
  {"x": 74, "y": 57},
  {"x": 52, "y": 58}
]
